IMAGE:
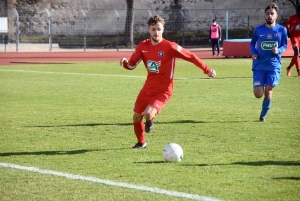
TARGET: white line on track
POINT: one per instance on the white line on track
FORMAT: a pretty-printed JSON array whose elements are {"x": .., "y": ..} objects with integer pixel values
[
  {"x": 67, "y": 73},
  {"x": 111, "y": 183}
]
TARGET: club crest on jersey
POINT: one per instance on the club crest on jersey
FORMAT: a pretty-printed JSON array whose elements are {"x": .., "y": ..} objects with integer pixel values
[
  {"x": 160, "y": 54},
  {"x": 268, "y": 45},
  {"x": 153, "y": 66},
  {"x": 269, "y": 36},
  {"x": 297, "y": 27}
]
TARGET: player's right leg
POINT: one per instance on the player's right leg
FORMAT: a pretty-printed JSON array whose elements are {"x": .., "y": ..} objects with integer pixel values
[
  {"x": 272, "y": 80},
  {"x": 288, "y": 69},
  {"x": 258, "y": 84},
  {"x": 139, "y": 127},
  {"x": 295, "y": 41},
  {"x": 296, "y": 59},
  {"x": 259, "y": 88},
  {"x": 213, "y": 46},
  {"x": 292, "y": 63}
]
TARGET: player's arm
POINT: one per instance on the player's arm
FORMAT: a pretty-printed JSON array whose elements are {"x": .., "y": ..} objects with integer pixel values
[
  {"x": 288, "y": 26},
  {"x": 187, "y": 55},
  {"x": 134, "y": 60},
  {"x": 288, "y": 23},
  {"x": 283, "y": 45},
  {"x": 253, "y": 45}
]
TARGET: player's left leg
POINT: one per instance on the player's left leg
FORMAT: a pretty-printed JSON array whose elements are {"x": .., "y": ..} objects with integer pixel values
[
  {"x": 149, "y": 114},
  {"x": 296, "y": 59},
  {"x": 292, "y": 63},
  {"x": 296, "y": 53},
  {"x": 218, "y": 47},
  {"x": 154, "y": 107},
  {"x": 266, "y": 104}
]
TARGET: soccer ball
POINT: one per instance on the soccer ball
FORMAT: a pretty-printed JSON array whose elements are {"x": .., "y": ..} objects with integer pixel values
[{"x": 172, "y": 152}]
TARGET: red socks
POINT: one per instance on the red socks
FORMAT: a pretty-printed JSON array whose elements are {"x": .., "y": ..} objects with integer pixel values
[
  {"x": 295, "y": 60},
  {"x": 139, "y": 131}
]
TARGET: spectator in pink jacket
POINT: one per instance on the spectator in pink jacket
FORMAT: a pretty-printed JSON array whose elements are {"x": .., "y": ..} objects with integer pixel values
[{"x": 215, "y": 35}]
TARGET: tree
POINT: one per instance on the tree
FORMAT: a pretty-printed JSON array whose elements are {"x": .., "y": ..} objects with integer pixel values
[
  {"x": 128, "y": 35},
  {"x": 294, "y": 2}
]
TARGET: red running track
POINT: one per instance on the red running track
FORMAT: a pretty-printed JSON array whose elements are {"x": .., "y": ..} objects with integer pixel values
[{"x": 9, "y": 58}]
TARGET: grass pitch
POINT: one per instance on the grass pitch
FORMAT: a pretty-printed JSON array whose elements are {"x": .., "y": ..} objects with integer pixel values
[{"x": 77, "y": 119}]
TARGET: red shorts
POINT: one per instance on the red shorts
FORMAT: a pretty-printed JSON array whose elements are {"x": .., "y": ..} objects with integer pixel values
[
  {"x": 158, "y": 101},
  {"x": 295, "y": 41}
]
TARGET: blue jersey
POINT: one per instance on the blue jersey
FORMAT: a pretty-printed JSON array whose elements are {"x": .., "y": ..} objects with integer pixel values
[{"x": 263, "y": 40}]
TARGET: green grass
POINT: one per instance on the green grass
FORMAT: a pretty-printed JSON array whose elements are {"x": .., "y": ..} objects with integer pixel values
[{"x": 78, "y": 120}]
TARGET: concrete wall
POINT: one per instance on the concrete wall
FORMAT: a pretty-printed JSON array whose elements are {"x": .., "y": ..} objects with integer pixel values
[
  {"x": 3, "y": 10},
  {"x": 66, "y": 10}
]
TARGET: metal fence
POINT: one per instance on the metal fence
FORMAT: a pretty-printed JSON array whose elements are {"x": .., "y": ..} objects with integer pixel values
[{"x": 79, "y": 28}]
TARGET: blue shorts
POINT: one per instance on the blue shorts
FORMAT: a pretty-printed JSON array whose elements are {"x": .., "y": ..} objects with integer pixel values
[{"x": 263, "y": 78}]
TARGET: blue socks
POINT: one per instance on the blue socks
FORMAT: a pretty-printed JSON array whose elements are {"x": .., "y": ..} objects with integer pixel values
[{"x": 265, "y": 107}]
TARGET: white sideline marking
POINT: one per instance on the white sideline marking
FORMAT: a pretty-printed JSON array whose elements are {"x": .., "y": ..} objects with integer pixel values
[
  {"x": 89, "y": 74},
  {"x": 66, "y": 73},
  {"x": 111, "y": 183}
]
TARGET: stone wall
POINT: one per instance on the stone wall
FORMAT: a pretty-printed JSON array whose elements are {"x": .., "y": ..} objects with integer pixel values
[
  {"x": 67, "y": 15},
  {"x": 3, "y": 8}
]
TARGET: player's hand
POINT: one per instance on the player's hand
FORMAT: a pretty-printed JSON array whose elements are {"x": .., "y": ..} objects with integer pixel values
[
  {"x": 123, "y": 62},
  {"x": 212, "y": 73},
  {"x": 254, "y": 57},
  {"x": 275, "y": 50}
]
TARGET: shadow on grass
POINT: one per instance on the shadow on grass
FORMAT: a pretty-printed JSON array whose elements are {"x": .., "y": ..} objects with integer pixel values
[
  {"x": 130, "y": 124},
  {"x": 90, "y": 124},
  {"x": 287, "y": 178},
  {"x": 151, "y": 162},
  {"x": 72, "y": 152},
  {"x": 254, "y": 163}
]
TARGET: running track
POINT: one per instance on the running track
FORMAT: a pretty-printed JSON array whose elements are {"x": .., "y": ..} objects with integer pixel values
[{"x": 9, "y": 58}]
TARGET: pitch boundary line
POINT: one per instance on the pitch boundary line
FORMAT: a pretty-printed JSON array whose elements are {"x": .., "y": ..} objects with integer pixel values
[
  {"x": 108, "y": 182},
  {"x": 67, "y": 73},
  {"x": 92, "y": 74},
  {"x": 109, "y": 75}
]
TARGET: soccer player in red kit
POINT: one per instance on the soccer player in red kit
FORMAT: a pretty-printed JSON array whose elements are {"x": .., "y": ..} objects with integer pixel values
[
  {"x": 293, "y": 27},
  {"x": 158, "y": 56}
]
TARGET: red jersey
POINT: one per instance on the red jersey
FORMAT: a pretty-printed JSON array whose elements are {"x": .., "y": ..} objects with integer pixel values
[
  {"x": 160, "y": 61},
  {"x": 293, "y": 24}
]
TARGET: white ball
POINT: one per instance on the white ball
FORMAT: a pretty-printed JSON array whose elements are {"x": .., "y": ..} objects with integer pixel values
[{"x": 172, "y": 152}]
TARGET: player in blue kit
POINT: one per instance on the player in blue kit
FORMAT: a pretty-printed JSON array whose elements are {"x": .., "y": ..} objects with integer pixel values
[{"x": 268, "y": 42}]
